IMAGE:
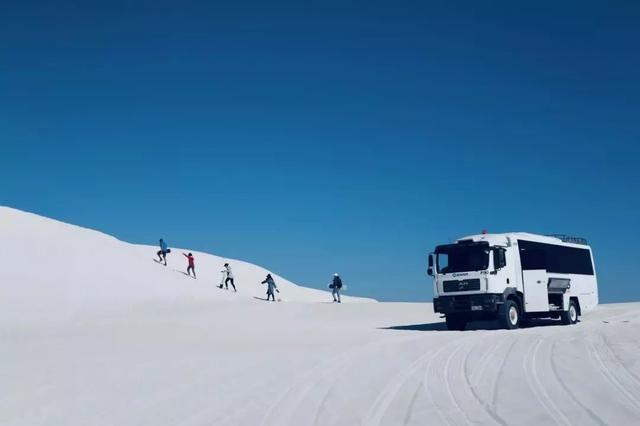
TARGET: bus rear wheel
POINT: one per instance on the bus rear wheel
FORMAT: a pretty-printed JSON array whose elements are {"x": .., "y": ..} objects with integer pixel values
[{"x": 570, "y": 316}]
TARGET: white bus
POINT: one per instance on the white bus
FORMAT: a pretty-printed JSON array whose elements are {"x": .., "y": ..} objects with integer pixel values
[{"x": 513, "y": 277}]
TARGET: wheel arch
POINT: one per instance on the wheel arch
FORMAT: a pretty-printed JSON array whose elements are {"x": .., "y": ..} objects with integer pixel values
[
  {"x": 512, "y": 293},
  {"x": 577, "y": 301}
]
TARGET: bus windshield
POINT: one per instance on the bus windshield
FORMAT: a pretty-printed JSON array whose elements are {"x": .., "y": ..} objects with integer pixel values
[{"x": 462, "y": 258}]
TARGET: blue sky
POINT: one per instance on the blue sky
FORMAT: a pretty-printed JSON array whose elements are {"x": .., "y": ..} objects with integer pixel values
[{"x": 328, "y": 136}]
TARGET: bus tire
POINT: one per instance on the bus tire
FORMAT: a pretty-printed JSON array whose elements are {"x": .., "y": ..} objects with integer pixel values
[
  {"x": 509, "y": 315},
  {"x": 456, "y": 322},
  {"x": 570, "y": 316}
]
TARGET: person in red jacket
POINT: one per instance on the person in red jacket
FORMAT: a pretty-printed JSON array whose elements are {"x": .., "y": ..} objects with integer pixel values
[{"x": 192, "y": 265}]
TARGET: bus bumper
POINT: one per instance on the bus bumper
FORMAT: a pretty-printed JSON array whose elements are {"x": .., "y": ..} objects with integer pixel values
[{"x": 478, "y": 304}]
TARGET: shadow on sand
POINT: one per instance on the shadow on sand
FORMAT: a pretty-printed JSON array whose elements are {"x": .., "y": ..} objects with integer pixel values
[
  {"x": 436, "y": 326},
  {"x": 479, "y": 325}
]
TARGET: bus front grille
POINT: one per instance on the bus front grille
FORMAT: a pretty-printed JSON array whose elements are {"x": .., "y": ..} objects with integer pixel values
[{"x": 461, "y": 285}]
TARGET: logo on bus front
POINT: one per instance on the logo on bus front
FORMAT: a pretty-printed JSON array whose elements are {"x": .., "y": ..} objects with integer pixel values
[{"x": 460, "y": 274}]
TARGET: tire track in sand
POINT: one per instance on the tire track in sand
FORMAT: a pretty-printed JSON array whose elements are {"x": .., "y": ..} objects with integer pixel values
[
  {"x": 451, "y": 405},
  {"x": 607, "y": 345},
  {"x": 390, "y": 392},
  {"x": 381, "y": 404},
  {"x": 425, "y": 385},
  {"x": 567, "y": 389},
  {"x": 404, "y": 373},
  {"x": 610, "y": 376},
  {"x": 539, "y": 391},
  {"x": 414, "y": 397},
  {"x": 476, "y": 375},
  {"x": 306, "y": 382},
  {"x": 501, "y": 369},
  {"x": 448, "y": 384},
  {"x": 384, "y": 400}
]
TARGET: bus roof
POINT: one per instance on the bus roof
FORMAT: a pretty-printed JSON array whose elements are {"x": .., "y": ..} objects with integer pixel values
[{"x": 504, "y": 239}]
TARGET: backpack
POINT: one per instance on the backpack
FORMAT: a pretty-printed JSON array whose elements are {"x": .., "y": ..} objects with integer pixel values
[{"x": 337, "y": 283}]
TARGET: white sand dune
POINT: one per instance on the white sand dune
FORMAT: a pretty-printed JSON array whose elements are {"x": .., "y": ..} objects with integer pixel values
[
  {"x": 53, "y": 270},
  {"x": 197, "y": 359}
]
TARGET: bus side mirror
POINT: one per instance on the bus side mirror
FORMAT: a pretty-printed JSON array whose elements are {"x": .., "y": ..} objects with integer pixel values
[
  {"x": 430, "y": 268},
  {"x": 499, "y": 258}
]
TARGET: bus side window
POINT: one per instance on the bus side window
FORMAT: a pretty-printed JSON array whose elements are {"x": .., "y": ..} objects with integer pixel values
[{"x": 532, "y": 259}]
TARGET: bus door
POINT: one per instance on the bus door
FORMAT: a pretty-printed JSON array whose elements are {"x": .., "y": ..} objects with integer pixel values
[{"x": 536, "y": 295}]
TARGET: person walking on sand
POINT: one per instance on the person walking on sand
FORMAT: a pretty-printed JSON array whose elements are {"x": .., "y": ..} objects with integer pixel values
[
  {"x": 162, "y": 253},
  {"x": 229, "y": 274},
  {"x": 192, "y": 266},
  {"x": 336, "y": 285},
  {"x": 271, "y": 286}
]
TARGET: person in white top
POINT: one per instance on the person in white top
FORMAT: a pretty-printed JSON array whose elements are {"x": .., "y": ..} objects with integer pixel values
[{"x": 229, "y": 274}]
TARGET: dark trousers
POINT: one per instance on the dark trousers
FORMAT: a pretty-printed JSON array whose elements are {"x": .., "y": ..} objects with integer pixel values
[
  {"x": 226, "y": 283},
  {"x": 191, "y": 269},
  {"x": 162, "y": 255},
  {"x": 336, "y": 292}
]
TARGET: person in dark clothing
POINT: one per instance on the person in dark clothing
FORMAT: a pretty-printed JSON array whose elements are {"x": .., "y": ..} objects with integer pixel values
[
  {"x": 192, "y": 265},
  {"x": 271, "y": 286},
  {"x": 229, "y": 274},
  {"x": 336, "y": 285},
  {"x": 162, "y": 253}
]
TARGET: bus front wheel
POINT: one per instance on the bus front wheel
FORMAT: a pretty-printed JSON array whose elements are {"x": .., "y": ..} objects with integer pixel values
[
  {"x": 509, "y": 315},
  {"x": 456, "y": 322}
]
